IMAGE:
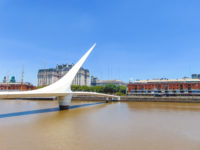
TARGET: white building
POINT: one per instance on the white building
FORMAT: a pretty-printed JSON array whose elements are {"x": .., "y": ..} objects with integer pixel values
[
  {"x": 95, "y": 82},
  {"x": 51, "y": 75}
]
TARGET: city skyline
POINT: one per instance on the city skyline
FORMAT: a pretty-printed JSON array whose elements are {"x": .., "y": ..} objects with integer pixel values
[{"x": 139, "y": 40}]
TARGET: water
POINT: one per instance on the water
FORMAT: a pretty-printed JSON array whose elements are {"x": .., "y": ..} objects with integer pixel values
[{"x": 112, "y": 126}]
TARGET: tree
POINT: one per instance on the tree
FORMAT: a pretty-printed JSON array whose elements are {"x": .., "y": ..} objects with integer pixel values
[
  {"x": 111, "y": 88},
  {"x": 99, "y": 89},
  {"x": 122, "y": 89}
]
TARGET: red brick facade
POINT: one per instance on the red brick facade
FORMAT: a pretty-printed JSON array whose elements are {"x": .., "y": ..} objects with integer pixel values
[
  {"x": 17, "y": 86},
  {"x": 164, "y": 86}
]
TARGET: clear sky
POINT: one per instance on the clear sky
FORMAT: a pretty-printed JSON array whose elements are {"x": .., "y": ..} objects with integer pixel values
[{"x": 138, "y": 39}]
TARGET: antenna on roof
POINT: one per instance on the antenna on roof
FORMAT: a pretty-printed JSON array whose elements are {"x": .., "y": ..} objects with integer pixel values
[
  {"x": 7, "y": 81},
  {"x": 22, "y": 80}
]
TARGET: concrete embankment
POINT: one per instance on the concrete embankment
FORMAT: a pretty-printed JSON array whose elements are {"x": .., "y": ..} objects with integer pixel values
[
  {"x": 176, "y": 99},
  {"x": 88, "y": 98}
]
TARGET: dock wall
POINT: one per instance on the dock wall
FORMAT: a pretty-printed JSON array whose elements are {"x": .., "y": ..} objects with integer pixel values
[{"x": 177, "y": 99}]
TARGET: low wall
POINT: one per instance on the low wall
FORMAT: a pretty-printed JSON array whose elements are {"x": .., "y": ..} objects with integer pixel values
[
  {"x": 88, "y": 98},
  {"x": 177, "y": 99}
]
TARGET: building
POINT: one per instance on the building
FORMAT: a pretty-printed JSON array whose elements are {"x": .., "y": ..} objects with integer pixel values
[
  {"x": 15, "y": 86},
  {"x": 173, "y": 86},
  {"x": 49, "y": 76},
  {"x": 195, "y": 76},
  {"x": 4, "y": 79},
  {"x": 95, "y": 82}
]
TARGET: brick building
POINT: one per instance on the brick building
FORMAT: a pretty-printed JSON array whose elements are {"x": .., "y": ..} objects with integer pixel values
[
  {"x": 17, "y": 86},
  {"x": 176, "y": 86}
]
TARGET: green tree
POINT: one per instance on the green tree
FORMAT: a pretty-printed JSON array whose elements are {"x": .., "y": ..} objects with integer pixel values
[
  {"x": 122, "y": 89},
  {"x": 99, "y": 89},
  {"x": 111, "y": 88}
]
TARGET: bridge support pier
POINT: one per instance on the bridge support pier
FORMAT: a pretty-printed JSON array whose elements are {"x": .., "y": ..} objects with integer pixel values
[
  {"x": 107, "y": 99},
  {"x": 64, "y": 101}
]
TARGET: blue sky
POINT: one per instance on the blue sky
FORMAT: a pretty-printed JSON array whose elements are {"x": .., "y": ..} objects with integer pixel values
[{"x": 138, "y": 39}]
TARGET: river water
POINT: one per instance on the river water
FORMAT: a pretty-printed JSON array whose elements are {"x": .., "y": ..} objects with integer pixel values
[{"x": 112, "y": 126}]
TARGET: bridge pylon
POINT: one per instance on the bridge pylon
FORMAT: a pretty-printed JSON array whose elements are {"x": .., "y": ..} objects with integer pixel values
[{"x": 64, "y": 101}]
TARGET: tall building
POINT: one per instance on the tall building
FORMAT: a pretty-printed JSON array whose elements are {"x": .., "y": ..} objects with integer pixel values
[
  {"x": 51, "y": 75},
  {"x": 94, "y": 81}
]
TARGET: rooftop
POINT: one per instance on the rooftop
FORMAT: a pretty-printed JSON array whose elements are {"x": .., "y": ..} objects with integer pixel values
[
  {"x": 167, "y": 80},
  {"x": 16, "y": 83},
  {"x": 65, "y": 67},
  {"x": 111, "y": 81}
]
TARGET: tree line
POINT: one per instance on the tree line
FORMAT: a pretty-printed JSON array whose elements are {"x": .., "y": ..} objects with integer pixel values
[{"x": 108, "y": 89}]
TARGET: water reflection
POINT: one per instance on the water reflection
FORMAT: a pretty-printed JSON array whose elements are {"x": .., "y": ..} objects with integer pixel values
[
  {"x": 164, "y": 106},
  {"x": 39, "y": 111}
]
